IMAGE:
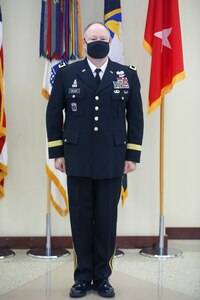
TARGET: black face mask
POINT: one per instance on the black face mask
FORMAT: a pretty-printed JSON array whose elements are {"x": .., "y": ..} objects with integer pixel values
[{"x": 98, "y": 49}]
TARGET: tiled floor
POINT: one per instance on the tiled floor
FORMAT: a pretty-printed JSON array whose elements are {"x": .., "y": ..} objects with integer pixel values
[{"x": 134, "y": 276}]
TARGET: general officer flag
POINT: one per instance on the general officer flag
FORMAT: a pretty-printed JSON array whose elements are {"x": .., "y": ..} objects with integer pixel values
[
  {"x": 162, "y": 39},
  {"x": 3, "y": 142},
  {"x": 113, "y": 20}
]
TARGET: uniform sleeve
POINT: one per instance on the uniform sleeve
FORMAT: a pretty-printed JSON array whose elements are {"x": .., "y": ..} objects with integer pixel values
[
  {"x": 135, "y": 122},
  {"x": 54, "y": 118}
]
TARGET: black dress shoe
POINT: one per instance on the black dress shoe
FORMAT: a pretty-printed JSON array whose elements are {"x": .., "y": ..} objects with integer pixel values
[
  {"x": 104, "y": 288},
  {"x": 79, "y": 289}
]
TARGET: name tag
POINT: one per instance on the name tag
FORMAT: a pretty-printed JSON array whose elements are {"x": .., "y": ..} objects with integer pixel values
[{"x": 74, "y": 91}]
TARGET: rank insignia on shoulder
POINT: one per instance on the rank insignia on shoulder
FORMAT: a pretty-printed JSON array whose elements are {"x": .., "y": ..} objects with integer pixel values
[
  {"x": 132, "y": 67},
  {"x": 62, "y": 64}
]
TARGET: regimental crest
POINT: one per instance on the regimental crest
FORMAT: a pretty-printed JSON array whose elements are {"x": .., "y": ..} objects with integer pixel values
[{"x": 74, "y": 84}]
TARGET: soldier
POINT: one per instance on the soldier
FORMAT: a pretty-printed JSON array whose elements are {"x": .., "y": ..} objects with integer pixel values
[{"x": 101, "y": 140}]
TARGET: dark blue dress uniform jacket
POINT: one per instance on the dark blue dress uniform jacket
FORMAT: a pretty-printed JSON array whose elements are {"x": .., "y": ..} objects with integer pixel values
[{"x": 102, "y": 127}]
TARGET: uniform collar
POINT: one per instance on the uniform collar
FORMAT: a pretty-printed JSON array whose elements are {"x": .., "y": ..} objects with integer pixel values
[
  {"x": 86, "y": 75},
  {"x": 93, "y": 68}
]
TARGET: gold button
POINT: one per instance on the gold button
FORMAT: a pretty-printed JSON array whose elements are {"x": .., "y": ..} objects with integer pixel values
[
  {"x": 96, "y": 108},
  {"x": 96, "y": 118},
  {"x": 96, "y": 128},
  {"x": 96, "y": 97}
]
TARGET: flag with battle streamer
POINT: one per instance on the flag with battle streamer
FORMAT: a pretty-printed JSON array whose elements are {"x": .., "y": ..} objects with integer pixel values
[{"x": 60, "y": 42}]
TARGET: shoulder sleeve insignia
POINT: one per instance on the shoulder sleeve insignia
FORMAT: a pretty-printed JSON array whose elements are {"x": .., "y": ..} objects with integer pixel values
[
  {"x": 61, "y": 65},
  {"x": 132, "y": 67}
]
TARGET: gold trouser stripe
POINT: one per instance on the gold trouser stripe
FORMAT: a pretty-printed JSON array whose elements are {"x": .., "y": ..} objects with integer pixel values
[
  {"x": 55, "y": 143},
  {"x": 75, "y": 258},
  {"x": 111, "y": 260},
  {"x": 134, "y": 147}
]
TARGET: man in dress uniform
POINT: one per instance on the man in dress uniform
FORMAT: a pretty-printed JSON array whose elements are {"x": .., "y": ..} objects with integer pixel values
[{"x": 100, "y": 141}]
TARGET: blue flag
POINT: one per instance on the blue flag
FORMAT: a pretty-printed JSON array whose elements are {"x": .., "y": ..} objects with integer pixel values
[{"x": 113, "y": 20}]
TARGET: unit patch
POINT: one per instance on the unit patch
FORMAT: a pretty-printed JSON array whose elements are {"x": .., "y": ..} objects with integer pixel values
[{"x": 74, "y": 107}]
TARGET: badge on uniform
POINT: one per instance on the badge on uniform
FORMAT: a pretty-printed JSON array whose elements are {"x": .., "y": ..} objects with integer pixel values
[
  {"x": 74, "y": 84},
  {"x": 120, "y": 73},
  {"x": 121, "y": 83},
  {"x": 74, "y": 107}
]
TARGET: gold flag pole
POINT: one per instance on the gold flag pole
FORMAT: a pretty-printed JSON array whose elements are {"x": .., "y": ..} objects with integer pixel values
[
  {"x": 162, "y": 131},
  {"x": 161, "y": 251}
]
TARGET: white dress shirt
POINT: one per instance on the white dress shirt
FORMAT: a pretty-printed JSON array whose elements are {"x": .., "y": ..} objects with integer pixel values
[{"x": 93, "y": 68}]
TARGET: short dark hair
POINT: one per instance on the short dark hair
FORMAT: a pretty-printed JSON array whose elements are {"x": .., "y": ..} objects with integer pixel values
[{"x": 101, "y": 23}]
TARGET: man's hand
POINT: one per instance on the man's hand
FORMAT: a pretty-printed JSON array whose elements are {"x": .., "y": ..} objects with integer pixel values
[
  {"x": 129, "y": 166},
  {"x": 60, "y": 164}
]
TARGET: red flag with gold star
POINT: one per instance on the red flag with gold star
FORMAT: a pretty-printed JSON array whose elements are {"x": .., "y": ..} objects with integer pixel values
[{"x": 162, "y": 39}]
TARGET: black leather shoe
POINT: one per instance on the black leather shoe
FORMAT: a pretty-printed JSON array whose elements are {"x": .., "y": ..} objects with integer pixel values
[
  {"x": 79, "y": 289},
  {"x": 104, "y": 288}
]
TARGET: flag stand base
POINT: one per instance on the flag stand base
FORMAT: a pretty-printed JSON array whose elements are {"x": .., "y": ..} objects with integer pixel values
[
  {"x": 161, "y": 251},
  {"x": 118, "y": 253},
  {"x": 6, "y": 253},
  {"x": 48, "y": 254},
  {"x": 156, "y": 252}
]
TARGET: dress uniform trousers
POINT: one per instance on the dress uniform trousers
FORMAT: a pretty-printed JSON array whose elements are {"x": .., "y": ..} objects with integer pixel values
[{"x": 93, "y": 213}]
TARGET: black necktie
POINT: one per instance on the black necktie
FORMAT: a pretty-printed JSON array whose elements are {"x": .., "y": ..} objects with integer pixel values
[{"x": 97, "y": 77}]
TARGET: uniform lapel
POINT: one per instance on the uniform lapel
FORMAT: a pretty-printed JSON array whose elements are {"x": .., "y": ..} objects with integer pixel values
[{"x": 85, "y": 74}]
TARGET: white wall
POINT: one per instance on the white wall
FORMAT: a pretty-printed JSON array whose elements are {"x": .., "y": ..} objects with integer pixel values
[{"x": 23, "y": 209}]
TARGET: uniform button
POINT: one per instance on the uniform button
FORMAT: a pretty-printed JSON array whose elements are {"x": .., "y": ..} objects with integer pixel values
[
  {"x": 96, "y": 128},
  {"x": 122, "y": 98},
  {"x": 65, "y": 140},
  {"x": 73, "y": 96},
  {"x": 96, "y": 108},
  {"x": 96, "y": 97},
  {"x": 96, "y": 118}
]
